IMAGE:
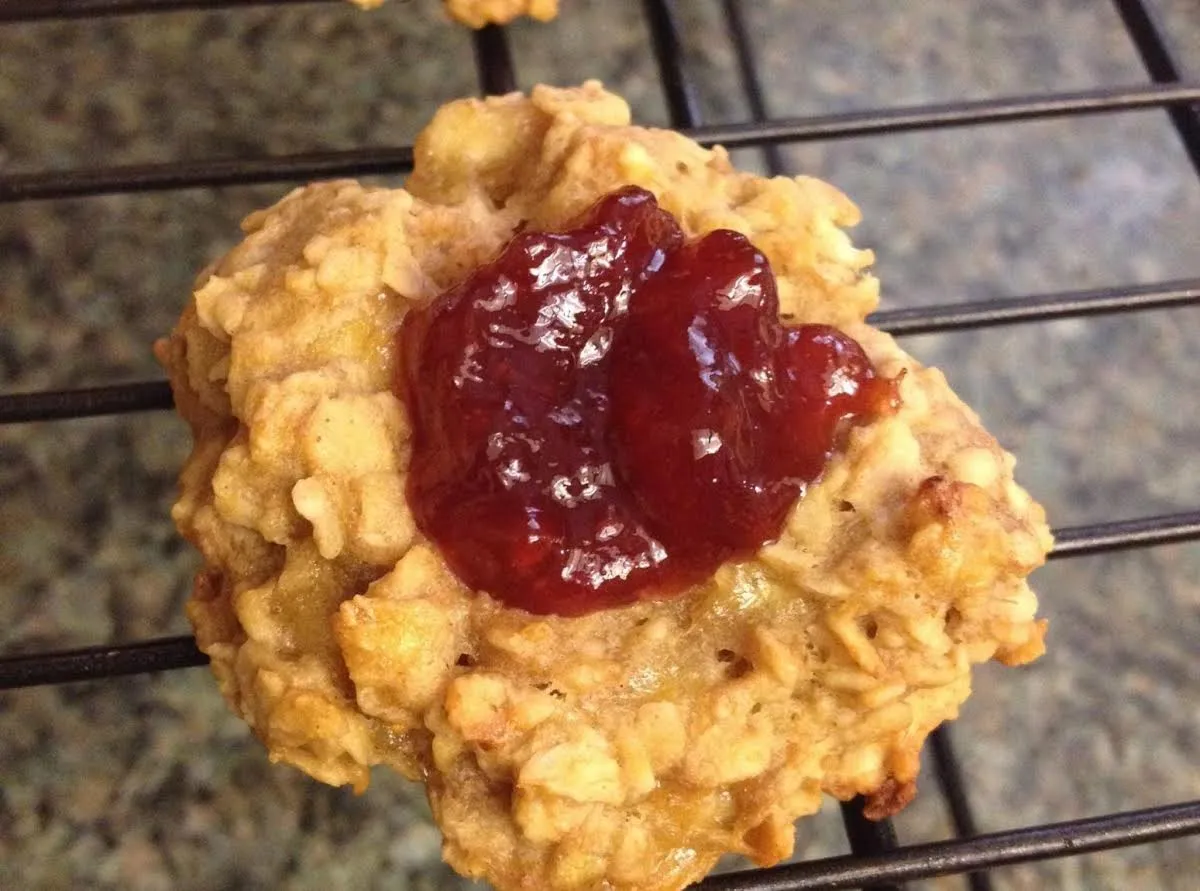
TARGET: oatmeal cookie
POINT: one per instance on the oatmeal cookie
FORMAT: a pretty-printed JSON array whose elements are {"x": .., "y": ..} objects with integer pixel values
[
  {"x": 627, "y": 748},
  {"x": 477, "y": 13}
]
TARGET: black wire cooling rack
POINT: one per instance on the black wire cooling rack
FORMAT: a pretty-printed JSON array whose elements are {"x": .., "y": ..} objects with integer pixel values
[{"x": 877, "y": 861}]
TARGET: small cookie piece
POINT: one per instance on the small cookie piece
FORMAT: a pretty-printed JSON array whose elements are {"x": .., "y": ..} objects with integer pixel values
[
  {"x": 478, "y": 13},
  {"x": 622, "y": 749}
]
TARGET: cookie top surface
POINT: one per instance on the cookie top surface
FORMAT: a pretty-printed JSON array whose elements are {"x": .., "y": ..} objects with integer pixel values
[
  {"x": 478, "y": 13},
  {"x": 633, "y": 745}
]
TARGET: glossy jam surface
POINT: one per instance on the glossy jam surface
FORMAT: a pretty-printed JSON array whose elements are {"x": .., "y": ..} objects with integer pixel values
[{"x": 611, "y": 412}]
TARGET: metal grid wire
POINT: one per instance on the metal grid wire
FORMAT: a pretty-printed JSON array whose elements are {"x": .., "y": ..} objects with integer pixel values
[{"x": 876, "y": 861}]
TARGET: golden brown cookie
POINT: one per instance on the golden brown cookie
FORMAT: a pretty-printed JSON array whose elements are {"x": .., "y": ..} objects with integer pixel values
[
  {"x": 477, "y": 13},
  {"x": 628, "y": 748}
]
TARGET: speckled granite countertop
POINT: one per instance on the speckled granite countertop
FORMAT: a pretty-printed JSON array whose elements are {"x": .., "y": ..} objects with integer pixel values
[{"x": 147, "y": 783}]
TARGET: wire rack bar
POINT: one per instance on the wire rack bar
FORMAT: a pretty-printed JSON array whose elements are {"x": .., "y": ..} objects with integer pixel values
[
  {"x": 494, "y": 61},
  {"x": 1037, "y": 307},
  {"x": 876, "y": 862},
  {"x": 879, "y": 122},
  {"x": 95, "y": 663},
  {"x": 743, "y": 52},
  {"x": 950, "y": 777},
  {"x": 151, "y": 395},
  {"x": 914, "y": 862},
  {"x": 663, "y": 21},
  {"x": 963, "y": 855},
  {"x": 1152, "y": 44},
  {"x": 192, "y": 174},
  {"x": 1121, "y": 535},
  {"x": 868, "y": 838},
  {"x": 179, "y": 652},
  {"x": 34, "y": 10},
  {"x": 954, "y": 789},
  {"x": 61, "y": 404},
  {"x": 384, "y": 160}
]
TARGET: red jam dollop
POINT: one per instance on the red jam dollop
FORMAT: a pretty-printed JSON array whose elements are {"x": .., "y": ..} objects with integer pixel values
[{"x": 611, "y": 412}]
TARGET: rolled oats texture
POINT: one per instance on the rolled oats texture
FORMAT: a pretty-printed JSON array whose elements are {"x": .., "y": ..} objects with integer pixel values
[{"x": 1104, "y": 721}]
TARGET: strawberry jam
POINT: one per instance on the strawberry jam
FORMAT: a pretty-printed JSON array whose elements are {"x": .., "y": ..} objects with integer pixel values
[{"x": 611, "y": 412}]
